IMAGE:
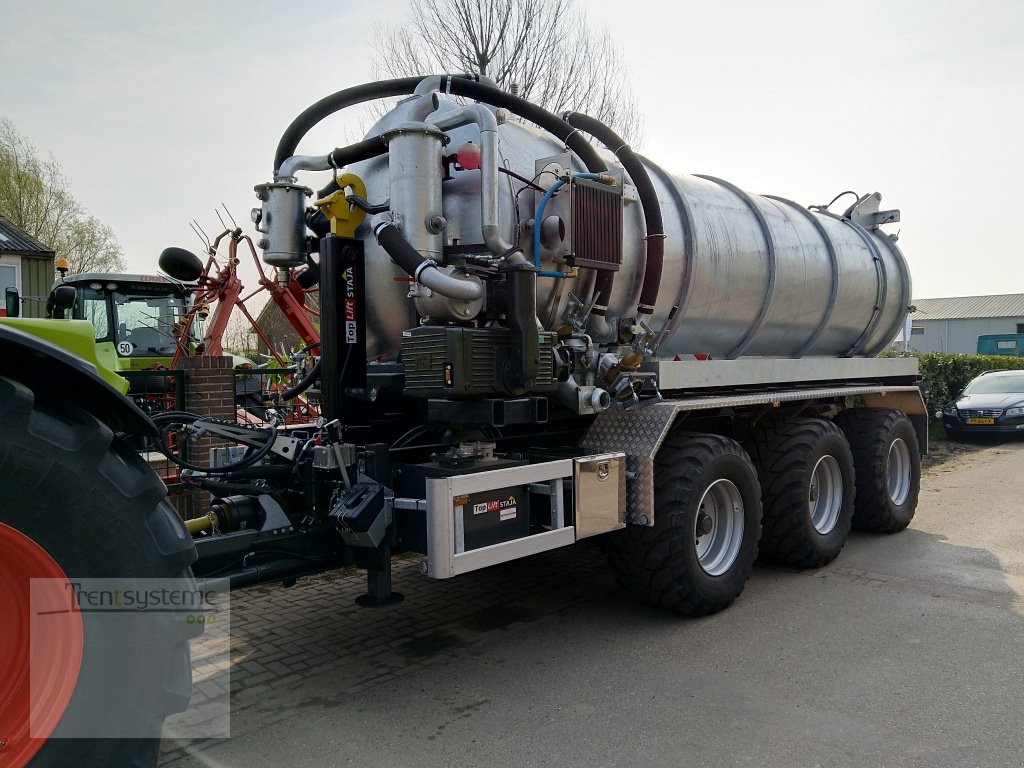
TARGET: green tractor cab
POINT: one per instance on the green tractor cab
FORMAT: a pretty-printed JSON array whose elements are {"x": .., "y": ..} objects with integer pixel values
[{"x": 138, "y": 315}]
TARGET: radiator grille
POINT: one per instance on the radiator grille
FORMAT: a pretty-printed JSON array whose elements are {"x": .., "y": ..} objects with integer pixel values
[
  {"x": 982, "y": 414},
  {"x": 596, "y": 226}
]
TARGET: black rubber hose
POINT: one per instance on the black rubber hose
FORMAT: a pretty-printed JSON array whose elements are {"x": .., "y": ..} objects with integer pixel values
[
  {"x": 363, "y": 150},
  {"x": 310, "y": 276},
  {"x": 602, "y": 293},
  {"x": 263, "y": 472},
  {"x": 166, "y": 420},
  {"x": 306, "y": 383},
  {"x": 334, "y": 103},
  {"x": 398, "y": 248},
  {"x": 648, "y": 200},
  {"x": 460, "y": 85}
]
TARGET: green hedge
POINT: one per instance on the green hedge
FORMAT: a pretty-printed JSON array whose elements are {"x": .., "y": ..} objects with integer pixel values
[{"x": 944, "y": 375}]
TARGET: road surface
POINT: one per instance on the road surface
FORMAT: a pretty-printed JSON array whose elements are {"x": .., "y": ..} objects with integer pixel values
[{"x": 905, "y": 651}]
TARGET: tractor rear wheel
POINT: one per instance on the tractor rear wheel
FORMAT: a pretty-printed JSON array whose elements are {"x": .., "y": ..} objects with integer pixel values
[{"x": 80, "y": 504}]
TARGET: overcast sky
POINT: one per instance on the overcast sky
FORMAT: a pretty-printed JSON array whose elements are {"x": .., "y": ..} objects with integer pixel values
[{"x": 159, "y": 111}]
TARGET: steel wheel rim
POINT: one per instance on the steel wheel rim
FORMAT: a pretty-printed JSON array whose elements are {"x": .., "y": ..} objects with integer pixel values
[
  {"x": 718, "y": 549},
  {"x": 825, "y": 494},
  {"x": 897, "y": 467},
  {"x": 53, "y": 653}
]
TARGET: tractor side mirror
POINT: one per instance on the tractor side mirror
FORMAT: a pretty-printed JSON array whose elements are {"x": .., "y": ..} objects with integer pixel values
[
  {"x": 61, "y": 298},
  {"x": 12, "y": 302}
]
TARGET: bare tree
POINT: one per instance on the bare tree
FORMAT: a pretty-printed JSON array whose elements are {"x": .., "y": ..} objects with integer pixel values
[
  {"x": 35, "y": 195},
  {"x": 545, "y": 47},
  {"x": 239, "y": 337}
]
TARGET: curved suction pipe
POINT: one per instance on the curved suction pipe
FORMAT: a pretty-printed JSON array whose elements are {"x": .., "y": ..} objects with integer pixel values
[
  {"x": 424, "y": 270},
  {"x": 591, "y": 400},
  {"x": 489, "y": 210},
  {"x": 423, "y": 106},
  {"x": 297, "y": 163}
]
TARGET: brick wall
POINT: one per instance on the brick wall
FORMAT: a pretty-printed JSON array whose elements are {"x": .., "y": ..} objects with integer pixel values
[
  {"x": 209, "y": 391},
  {"x": 210, "y": 386}
]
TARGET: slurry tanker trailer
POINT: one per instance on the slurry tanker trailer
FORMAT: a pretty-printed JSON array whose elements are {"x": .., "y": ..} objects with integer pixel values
[{"x": 530, "y": 336}]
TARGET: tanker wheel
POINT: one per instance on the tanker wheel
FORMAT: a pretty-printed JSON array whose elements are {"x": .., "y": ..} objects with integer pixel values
[
  {"x": 79, "y": 504},
  {"x": 888, "y": 463},
  {"x": 807, "y": 478},
  {"x": 699, "y": 554}
]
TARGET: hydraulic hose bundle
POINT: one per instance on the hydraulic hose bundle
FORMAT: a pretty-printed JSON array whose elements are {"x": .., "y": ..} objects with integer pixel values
[{"x": 172, "y": 421}]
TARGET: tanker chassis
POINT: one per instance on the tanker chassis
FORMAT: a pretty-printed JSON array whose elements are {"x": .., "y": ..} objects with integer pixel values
[{"x": 526, "y": 342}]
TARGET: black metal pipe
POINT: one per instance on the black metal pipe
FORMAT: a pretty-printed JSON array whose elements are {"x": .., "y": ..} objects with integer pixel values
[
  {"x": 282, "y": 569},
  {"x": 342, "y": 329},
  {"x": 519, "y": 301},
  {"x": 648, "y": 200},
  {"x": 221, "y": 489}
]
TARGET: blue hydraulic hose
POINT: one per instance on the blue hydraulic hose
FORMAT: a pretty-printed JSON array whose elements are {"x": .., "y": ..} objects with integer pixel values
[{"x": 539, "y": 218}]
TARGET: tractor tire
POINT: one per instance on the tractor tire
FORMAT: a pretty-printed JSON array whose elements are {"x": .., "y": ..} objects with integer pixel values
[
  {"x": 887, "y": 459},
  {"x": 80, "y": 504},
  {"x": 701, "y": 483},
  {"x": 807, "y": 479}
]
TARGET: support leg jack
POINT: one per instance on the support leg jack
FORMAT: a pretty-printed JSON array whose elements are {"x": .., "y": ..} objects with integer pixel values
[{"x": 378, "y": 585}]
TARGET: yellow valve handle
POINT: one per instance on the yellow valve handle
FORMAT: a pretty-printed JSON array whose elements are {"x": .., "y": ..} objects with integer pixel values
[{"x": 344, "y": 216}]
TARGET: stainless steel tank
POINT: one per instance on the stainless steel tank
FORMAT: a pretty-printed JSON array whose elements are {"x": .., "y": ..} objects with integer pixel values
[{"x": 744, "y": 275}]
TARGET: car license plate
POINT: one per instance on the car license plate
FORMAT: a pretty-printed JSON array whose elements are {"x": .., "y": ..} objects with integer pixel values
[{"x": 981, "y": 421}]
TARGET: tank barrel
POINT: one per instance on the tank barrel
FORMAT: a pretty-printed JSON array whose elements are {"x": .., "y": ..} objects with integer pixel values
[{"x": 665, "y": 264}]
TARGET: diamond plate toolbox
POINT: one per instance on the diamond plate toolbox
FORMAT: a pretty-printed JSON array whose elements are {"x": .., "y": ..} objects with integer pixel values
[{"x": 639, "y": 434}]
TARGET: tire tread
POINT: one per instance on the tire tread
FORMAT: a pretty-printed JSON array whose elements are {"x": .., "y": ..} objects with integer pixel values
[
  {"x": 101, "y": 512},
  {"x": 782, "y": 451},
  {"x": 646, "y": 560},
  {"x": 865, "y": 429}
]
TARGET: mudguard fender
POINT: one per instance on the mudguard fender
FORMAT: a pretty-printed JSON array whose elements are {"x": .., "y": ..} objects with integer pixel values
[{"x": 49, "y": 370}]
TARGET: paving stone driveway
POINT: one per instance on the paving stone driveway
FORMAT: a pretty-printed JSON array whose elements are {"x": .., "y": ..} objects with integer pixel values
[{"x": 292, "y": 648}]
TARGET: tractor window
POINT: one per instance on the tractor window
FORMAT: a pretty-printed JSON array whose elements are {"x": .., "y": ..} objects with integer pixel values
[
  {"x": 92, "y": 306},
  {"x": 147, "y": 322}
]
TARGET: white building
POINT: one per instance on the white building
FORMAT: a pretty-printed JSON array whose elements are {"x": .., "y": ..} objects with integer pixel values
[
  {"x": 25, "y": 265},
  {"x": 954, "y": 324}
]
